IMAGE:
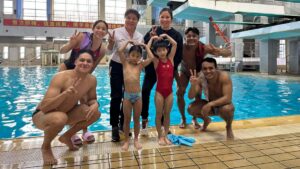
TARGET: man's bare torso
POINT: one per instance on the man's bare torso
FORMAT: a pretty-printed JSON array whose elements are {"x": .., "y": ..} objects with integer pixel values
[
  {"x": 66, "y": 79},
  {"x": 188, "y": 58},
  {"x": 215, "y": 89}
]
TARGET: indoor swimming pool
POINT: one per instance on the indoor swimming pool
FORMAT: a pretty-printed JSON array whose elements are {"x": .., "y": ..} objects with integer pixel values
[{"x": 22, "y": 88}]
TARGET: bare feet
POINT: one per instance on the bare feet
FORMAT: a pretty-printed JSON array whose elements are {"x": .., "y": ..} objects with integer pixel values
[
  {"x": 167, "y": 141},
  {"x": 195, "y": 123},
  {"x": 230, "y": 135},
  {"x": 137, "y": 145},
  {"x": 125, "y": 146},
  {"x": 206, "y": 123},
  {"x": 48, "y": 156},
  {"x": 68, "y": 142},
  {"x": 183, "y": 124},
  {"x": 161, "y": 141}
]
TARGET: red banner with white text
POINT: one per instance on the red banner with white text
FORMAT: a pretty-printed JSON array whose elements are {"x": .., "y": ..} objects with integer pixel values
[{"x": 63, "y": 24}]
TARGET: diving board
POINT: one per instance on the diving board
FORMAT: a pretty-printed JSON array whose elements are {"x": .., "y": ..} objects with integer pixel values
[
  {"x": 162, "y": 3},
  {"x": 295, "y": 1},
  {"x": 238, "y": 23},
  {"x": 201, "y": 10},
  {"x": 267, "y": 14},
  {"x": 281, "y": 31}
]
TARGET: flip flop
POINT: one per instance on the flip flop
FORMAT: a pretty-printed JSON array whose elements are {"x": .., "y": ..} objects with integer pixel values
[
  {"x": 88, "y": 137},
  {"x": 76, "y": 140}
]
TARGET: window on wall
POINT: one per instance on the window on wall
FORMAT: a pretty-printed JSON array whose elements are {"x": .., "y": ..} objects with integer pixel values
[
  {"x": 35, "y": 9},
  {"x": 114, "y": 11},
  {"x": 75, "y": 10},
  {"x": 22, "y": 52},
  {"x": 5, "y": 52},
  {"x": 8, "y": 7},
  {"x": 38, "y": 52},
  {"x": 282, "y": 49}
]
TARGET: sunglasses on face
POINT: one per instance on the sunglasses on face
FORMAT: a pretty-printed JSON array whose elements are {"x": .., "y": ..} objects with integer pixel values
[{"x": 85, "y": 60}]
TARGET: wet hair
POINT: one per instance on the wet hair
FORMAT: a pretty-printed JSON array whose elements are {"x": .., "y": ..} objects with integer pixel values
[
  {"x": 168, "y": 10},
  {"x": 82, "y": 51},
  {"x": 210, "y": 60},
  {"x": 99, "y": 21},
  {"x": 160, "y": 44},
  {"x": 132, "y": 11},
  {"x": 136, "y": 48},
  {"x": 192, "y": 29}
]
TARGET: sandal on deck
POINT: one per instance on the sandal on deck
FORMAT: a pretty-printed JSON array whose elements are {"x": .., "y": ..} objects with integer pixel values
[
  {"x": 76, "y": 140},
  {"x": 88, "y": 137}
]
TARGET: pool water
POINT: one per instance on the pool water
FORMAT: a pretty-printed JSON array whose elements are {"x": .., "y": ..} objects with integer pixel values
[{"x": 22, "y": 88}]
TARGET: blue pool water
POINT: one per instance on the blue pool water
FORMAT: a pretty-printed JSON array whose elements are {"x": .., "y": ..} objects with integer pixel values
[{"x": 21, "y": 89}]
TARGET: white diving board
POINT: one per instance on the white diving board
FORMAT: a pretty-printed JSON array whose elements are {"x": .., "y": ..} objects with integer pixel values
[
  {"x": 281, "y": 31},
  {"x": 295, "y": 1},
  {"x": 201, "y": 10}
]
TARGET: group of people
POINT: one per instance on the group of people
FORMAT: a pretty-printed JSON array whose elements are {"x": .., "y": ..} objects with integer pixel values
[{"x": 71, "y": 97}]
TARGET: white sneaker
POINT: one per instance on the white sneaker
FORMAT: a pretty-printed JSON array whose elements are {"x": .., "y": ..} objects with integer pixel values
[{"x": 144, "y": 129}]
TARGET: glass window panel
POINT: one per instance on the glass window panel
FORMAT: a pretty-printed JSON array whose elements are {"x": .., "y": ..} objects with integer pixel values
[
  {"x": 29, "y": 5},
  {"x": 59, "y": 7},
  {"x": 77, "y": 10},
  {"x": 38, "y": 52},
  {"x": 8, "y": 11},
  {"x": 29, "y": 12},
  {"x": 40, "y": 13},
  {"x": 59, "y": 1},
  {"x": 83, "y": 2},
  {"x": 93, "y": 2},
  {"x": 93, "y": 8},
  {"x": 83, "y": 8},
  {"x": 72, "y": 7},
  {"x": 5, "y": 52},
  {"x": 41, "y": 6},
  {"x": 61, "y": 13},
  {"x": 41, "y": 18},
  {"x": 110, "y": 3},
  {"x": 22, "y": 52},
  {"x": 8, "y": 4},
  {"x": 29, "y": 18}
]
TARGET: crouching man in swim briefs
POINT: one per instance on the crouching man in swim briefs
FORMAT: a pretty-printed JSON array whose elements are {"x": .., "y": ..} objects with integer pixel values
[
  {"x": 60, "y": 105},
  {"x": 219, "y": 87}
]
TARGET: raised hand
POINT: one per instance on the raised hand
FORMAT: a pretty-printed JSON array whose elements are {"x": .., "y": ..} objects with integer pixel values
[
  {"x": 74, "y": 37},
  {"x": 72, "y": 89},
  {"x": 163, "y": 35},
  {"x": 193, "y": 78},
  {"x": 153, "y": 31},
  {"x": 111, "y": 38}
]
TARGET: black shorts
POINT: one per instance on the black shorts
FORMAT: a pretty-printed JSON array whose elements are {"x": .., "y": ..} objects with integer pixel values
[
  {"x": 35, "y": 112},
  {"x": 69, "y": 64}
]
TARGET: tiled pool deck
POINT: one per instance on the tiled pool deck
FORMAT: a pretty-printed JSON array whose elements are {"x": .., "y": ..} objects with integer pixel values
[{"x": 262, "y": 143}]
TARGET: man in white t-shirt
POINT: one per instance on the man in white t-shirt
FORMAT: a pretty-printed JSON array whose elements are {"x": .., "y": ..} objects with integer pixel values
[{"x": 118, "y": 37}]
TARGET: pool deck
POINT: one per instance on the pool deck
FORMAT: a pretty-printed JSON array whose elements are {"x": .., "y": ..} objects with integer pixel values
[{"x": 260, "y": 143}]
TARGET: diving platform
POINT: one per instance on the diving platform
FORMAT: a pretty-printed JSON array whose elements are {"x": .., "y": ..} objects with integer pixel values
[
  {"x": 294, "y": 1},
  {"x": 219, "y": 10},
  {"x": 281, "y": 31}
]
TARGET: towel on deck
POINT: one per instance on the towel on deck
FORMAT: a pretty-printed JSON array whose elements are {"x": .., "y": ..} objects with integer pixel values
[{"x": 181, "y": 140}]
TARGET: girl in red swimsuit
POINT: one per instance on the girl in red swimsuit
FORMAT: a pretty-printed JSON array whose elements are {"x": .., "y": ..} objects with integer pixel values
[{"x": 164, "y": 66}]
